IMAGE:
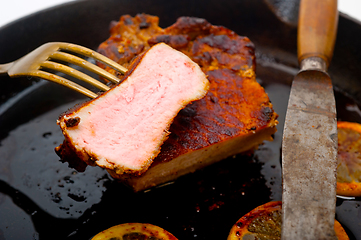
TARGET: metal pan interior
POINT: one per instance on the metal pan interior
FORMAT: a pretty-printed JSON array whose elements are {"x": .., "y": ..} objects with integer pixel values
[{"x": 41, "y": 197}]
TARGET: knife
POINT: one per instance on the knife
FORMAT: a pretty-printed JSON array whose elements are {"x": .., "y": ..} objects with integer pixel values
[{"x": 309, "y": 147}]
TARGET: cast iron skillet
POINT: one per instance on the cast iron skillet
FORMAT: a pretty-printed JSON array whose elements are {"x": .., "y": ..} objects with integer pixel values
[{"x": 42, "y": 198}]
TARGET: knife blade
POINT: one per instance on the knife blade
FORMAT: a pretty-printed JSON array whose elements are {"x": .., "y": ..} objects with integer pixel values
[{"x": 309, "y": 147}]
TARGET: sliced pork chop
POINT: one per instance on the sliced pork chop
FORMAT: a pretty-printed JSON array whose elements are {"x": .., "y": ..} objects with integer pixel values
[
  {"x": 235, "y": 116},
  {"x": 122, "y": 130}
]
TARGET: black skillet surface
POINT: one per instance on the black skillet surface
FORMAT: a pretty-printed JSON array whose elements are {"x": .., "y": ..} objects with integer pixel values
[{"x": 42, "y": 198}]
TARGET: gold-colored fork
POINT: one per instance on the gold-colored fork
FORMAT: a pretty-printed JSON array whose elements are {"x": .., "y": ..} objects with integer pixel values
[{"x": 38, "y": 63}]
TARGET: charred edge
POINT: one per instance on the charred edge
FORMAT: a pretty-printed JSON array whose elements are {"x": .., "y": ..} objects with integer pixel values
[
  {"x": 144, "y": 25},
  {"x": 112, "y": 25},
  {"x": 127, "y": 19},
  {"x": 267, "y": 114},
  {"x": 190, "y": 24},
  {"x": 229, "y": 44},
  {"x": 72, "y": 122},
  {"x": 76, "y": 107},
  {"x": 175, "y": 41},
  {"x": 67, "y": 154},
  {"x": 143, "y": 21}
]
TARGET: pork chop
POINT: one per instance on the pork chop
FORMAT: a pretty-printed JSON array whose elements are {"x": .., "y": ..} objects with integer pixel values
[{"x": 235, "y": 116}]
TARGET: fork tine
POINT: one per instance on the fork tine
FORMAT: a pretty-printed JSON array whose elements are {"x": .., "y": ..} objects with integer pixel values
[
  {"x": 66, "y": 57},
  {"x": 74, "y": 73},
  {"x": 93, "y": 54},
  {"x": 63, "y": 81}
]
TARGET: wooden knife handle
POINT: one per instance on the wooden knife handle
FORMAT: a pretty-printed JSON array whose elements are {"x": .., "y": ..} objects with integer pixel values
[{"x": 317, "y": 27}]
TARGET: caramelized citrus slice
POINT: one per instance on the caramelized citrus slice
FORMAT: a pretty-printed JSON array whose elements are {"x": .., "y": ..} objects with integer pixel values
[
  {"x": 134, "y": 231},
  {"x": 264, "y": 222},
  {"x": 349, "y": 159}
]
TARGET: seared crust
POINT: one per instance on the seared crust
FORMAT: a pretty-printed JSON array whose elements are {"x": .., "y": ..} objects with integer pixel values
[
  {"x": 236, "y": 106},
  {"x": 129, "y": 38},
  {"x": 219, "y": 116}
]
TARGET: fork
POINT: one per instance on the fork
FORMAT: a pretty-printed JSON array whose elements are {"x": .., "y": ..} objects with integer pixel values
[{"x": 38, "y": 63}]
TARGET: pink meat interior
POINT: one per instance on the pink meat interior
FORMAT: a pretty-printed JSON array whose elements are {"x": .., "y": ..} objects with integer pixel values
[{"x": 126, "y": 125}]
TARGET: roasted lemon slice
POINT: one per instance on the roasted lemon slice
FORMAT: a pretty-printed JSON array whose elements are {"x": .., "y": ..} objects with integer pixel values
[
  {"x": 349, "y": 159},
  {"x": 134, "y": 231},
  {"x": 264, "y": 222}
]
